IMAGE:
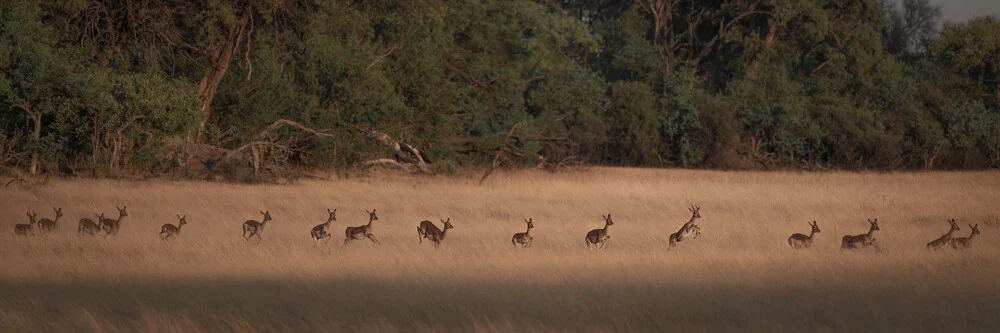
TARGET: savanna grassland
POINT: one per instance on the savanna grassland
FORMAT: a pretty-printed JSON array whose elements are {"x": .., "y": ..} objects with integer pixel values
[{"x": 739, "y": 276}]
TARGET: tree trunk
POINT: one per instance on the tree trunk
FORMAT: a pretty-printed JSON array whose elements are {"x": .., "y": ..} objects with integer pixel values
[
  {"x": 221, "y": 58},
  {"x": 37, "y": 134}
]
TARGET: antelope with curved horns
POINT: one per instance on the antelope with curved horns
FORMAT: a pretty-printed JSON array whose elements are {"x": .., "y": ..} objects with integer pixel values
[{"x": 687, "y": 230}]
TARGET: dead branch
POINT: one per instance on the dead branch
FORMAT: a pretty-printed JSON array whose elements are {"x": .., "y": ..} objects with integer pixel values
[
  {"x": 383, "y": 56},
  {"x": 503, "y": 146},
  {"x": 407, "y": 156}
]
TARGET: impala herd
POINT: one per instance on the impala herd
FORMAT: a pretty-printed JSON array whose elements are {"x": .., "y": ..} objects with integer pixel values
[{"x": 595, "y": 239}]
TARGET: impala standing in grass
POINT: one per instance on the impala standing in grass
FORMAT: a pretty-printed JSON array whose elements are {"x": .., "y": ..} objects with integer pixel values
[
  {"x": 965, "y": 242},
  {"x": 799, "y": 241},
  {"x": 88, "y": 226},
  {"x": 22, "y": 229},
  {"x": 524, "y": 238},
  {"x": 47, "y": 225}
]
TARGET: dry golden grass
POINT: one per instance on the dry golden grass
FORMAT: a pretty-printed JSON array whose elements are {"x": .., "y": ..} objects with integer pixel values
[{"x": 739, "y": 276}]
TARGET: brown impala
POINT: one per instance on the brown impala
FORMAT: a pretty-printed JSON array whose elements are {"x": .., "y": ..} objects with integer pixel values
[
  {"x": 798, "y": 241},
  {"x": 26, "y": 229},
  {"x": 362, "y": 231},
  {"x": 600, "y": 237},
  {"x": 87, "y": 226},
  {"x": 253, "y": 228},
  {"x": 169, "y": 230},
  {"x": 862, "y": 240},
  {"x": 524, "y": 238},
  {"x": 965, "y": 242},
  {"x": 689, "y": 229},
  {"x": 111, "y": 227},
  {"x": 944, "y": 239},
  {"x": 322, "y": 231},
  {"x": 46, "y": 225},
  {"x": 430, "y": 231}
]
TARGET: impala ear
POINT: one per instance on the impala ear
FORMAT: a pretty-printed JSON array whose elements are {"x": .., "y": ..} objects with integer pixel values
[{"x": 179, "y": 216}]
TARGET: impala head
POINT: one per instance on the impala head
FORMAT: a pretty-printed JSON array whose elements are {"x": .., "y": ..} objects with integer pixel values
[
  {"x": 447, "y": 224},
  {"x": 267, "y": 215},
  {"x": 100, "y": 216},
  {"x": 975, "y": 229},
  {"x": 31, "y": 216},
  {"x": 607, "y": 219},
  {"x": 58, "y": 212},
  {"x": 182, "y": 220},
  {"x": 695, "y": 211},
  {"x": 371, "y": 215},
  {"x": 874, "y": 224},
  {"x": 121, "y": 211},
  {"x": 528, "y": 221},
  {"x": 333, "y": 214},
  {"x": 954, "y": 225},
  {"x": 815, "y": 227}
]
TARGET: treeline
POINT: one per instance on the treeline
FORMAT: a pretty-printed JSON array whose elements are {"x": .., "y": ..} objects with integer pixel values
[{"x": 244, "y": 88}]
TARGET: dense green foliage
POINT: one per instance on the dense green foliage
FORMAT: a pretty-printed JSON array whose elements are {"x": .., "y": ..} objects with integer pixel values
[{"x": 186, "y": 86}]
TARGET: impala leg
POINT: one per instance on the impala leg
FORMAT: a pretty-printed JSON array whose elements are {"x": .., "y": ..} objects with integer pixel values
[{"x": 372, "y": 238}]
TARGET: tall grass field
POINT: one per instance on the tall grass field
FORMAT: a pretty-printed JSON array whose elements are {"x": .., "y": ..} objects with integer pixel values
[{"x": 739, "y": 275}]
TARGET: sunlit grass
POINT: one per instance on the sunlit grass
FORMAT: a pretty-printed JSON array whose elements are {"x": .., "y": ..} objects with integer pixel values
[{"x": 739, "y": 275}]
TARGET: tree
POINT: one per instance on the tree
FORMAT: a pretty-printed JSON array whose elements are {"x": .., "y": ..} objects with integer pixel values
[{"x": 973, "y": 49}]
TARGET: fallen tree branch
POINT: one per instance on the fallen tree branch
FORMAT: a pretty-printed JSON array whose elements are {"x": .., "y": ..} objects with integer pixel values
[
  {"x": 503, "y": 146},
  {"x": 406, "y": 155}
]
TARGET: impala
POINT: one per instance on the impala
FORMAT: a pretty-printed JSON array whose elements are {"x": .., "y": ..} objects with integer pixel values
[
  {"x": 26, "y": 229},
  {"x": 944, "y": 239},
  {"x": 362, "y": 231},
  {"x": 88, "y": 226},
  {"x": 47, "y": 225},
  {"x": 600, "y": 237},
  {"x": 524, "y": 238},
  {"x": 253, "y": 228},
  {"x": 169, "y": 230},
  {"x": 798, "y": 241},
  {"x": 430, "y": 231},
  {"x": 111, "y": 227},
  {"x": 322, "y": 231},
  {"x": 862, "y": 240},
  {"x": 689, "y": 229},
  {"x": 965, "y": 242}
]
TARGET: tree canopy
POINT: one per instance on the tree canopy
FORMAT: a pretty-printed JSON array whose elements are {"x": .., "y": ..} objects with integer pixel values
[{"x": 255, "y": 88}]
